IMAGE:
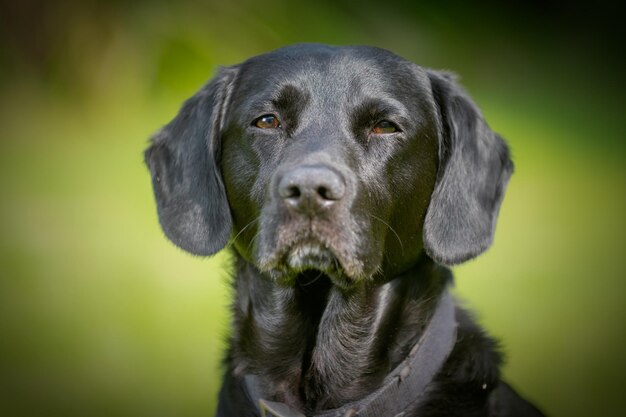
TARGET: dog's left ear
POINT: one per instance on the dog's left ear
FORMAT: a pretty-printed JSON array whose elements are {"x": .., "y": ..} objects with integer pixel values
[
  {"x": 474, "y": 170},
  {"x": 184, "y": 163}
]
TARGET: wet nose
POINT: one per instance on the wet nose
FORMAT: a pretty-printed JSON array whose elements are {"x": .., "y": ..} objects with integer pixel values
[{"x": 311, "y": 189}]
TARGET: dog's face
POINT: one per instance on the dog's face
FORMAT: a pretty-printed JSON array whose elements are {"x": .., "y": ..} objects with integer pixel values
[
  {"x": 331, "y": 157},
  {"x": 348, "y": 161}
]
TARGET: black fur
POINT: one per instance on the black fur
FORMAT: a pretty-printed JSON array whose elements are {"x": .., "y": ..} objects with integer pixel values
[
  {"x": 188, "y": 187},
  {"x": 340, "y": 230}
]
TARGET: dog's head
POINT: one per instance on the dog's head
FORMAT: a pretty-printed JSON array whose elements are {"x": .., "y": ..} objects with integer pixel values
[{"x": 347, "y": 160}]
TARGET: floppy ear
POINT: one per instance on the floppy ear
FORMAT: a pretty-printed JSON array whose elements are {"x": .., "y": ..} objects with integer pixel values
[
  {"x": 473, "y": 173},
  {"x": 183, "y": 161}
]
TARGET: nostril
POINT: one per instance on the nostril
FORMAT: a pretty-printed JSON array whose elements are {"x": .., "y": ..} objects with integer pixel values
[
  {"x": 325, "y": 193},
  {"x": 288, "y": 190},
  {"x": 292, "y": 192}
]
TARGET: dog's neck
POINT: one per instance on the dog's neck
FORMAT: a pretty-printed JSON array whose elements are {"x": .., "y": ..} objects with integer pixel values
[{"x": 314, "y": 346}]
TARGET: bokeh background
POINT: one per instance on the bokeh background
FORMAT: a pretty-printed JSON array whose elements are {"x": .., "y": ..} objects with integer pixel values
[{"x": 100, "y": 315}]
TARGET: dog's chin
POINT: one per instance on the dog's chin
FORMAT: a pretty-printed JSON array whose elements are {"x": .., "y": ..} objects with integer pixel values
[{"x": 310, "y": 256}]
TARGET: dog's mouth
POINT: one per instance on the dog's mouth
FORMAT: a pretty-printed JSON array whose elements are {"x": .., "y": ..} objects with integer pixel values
[
  {"x": 311, "y": 255},
  {"x": 338, "y": 246}
]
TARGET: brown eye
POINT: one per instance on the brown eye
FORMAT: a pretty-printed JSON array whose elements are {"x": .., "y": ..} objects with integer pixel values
[
  {"x": 267, "y": 121},
  {"x": 385, "y": 127}
]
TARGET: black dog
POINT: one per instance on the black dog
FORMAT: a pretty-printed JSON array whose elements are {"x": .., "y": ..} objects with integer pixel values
[{"x": 345, "y": 178}]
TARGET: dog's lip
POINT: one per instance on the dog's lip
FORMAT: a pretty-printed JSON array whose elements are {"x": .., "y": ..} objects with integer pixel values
[
  {"x": 311, "y": 254},
  {"x": 311, "y": 251}
]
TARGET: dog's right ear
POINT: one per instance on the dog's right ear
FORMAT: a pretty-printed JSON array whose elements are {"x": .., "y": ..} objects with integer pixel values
[{"x": 184, "y": 164}]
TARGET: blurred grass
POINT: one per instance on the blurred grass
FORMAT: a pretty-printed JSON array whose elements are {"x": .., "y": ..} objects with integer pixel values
[{"x": 100, "y": 315}]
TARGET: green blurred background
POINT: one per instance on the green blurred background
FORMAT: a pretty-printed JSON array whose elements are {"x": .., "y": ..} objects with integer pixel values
[{"x": 100, "y": 315}]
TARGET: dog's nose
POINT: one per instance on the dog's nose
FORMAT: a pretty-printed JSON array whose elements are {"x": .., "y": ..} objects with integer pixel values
[{"x": 309, "y": 189}]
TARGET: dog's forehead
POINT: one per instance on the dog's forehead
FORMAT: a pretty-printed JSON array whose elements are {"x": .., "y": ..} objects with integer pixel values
[
  {"x": 323, "y": 58},
  {"x": 327, "y": 70}
]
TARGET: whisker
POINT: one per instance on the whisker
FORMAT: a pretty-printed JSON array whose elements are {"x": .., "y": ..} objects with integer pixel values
[
  {"x": 255, "y": 237},
  {"x": 390, "y": 228},
  {"x": 313, "y": 280},
  {"x": 232, "y": 241}
]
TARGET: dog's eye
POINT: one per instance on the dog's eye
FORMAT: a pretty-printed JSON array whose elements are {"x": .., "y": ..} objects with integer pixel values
[
  {"x": 385, "y": 127},
  {"x": 267, "y": 121}
]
